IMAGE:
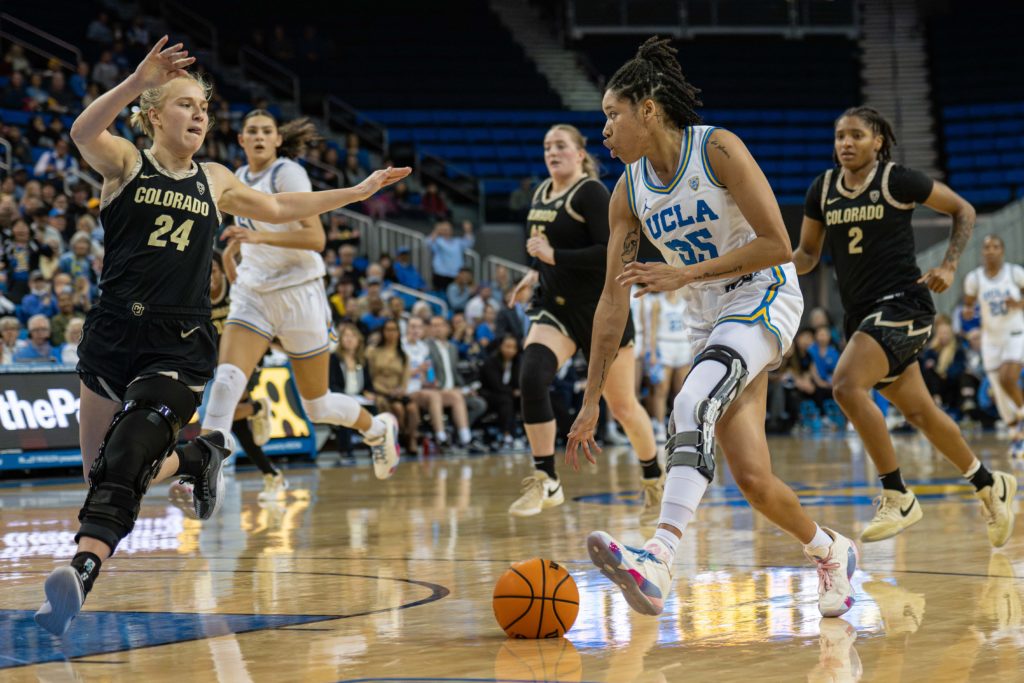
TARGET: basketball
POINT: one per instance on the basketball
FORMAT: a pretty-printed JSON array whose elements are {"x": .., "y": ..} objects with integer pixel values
[
  {"x": 536, "y": 598},
  {"x": 538, "y": 660}
]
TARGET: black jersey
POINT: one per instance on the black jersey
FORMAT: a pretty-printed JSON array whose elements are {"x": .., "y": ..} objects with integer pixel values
[
  {"x": 868, "y": 230},
  {"x": 220, "y": 308},
  {"x": 575, "y": 223},
  {"x": 158, "y": 239}
]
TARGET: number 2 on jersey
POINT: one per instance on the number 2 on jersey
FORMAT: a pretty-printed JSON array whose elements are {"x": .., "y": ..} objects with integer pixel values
[
  {"x": 692, "y": 248},
  {"x": 164, "y": 225},
  {"x": 856, "y": 235}
]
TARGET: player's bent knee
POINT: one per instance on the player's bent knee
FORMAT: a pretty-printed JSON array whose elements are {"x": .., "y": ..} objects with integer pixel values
[
  {"x": 332, "y": 408},
  {"x": 695, "y": 447},
  {"x": 537, "y": 371},
  {"x": 141, "y": 436}
]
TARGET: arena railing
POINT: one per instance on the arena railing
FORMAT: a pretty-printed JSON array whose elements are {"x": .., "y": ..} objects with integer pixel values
[
  {"x": 472, "y": 261},
  {"x": 422, "y": 296},
  {"x": 262, "y": 69},
  {"x": 517, "y": 271},
  {"x": 387, "y": 237},
  {"x": 9, "y": 23}
]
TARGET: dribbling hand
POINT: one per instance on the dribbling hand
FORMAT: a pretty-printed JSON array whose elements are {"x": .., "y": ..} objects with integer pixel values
[
  {"x": 162, "y": 64},
  {"x": 582, "y": 434},
  {"x": 381, "y": 178}
]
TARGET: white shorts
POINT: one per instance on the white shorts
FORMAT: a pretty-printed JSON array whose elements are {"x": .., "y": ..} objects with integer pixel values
[
  {"x": 299, "y": 317},
  {"x": 639, "y": 348},
  {"x": 770, "y": 299},
  {"x": 1007, "y": 348},
  {"x": 675, "y": 354}
]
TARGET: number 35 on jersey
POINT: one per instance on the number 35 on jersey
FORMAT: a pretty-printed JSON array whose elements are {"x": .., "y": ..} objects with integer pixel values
[{"x": 693, "y": 246}]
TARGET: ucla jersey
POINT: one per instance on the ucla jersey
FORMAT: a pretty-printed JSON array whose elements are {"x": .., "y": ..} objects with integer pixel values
[
  {"x": 266, "y": 268},
  {"x": 693, "y": 218},
  {"x": 998, "y": 317}
]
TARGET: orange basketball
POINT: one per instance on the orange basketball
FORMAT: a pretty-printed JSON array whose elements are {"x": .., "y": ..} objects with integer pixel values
[{"x": 536, "y": 599}]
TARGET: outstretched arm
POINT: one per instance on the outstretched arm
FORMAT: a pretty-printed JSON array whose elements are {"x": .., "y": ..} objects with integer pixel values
[
  {"x": 944, "y": 199},
  {"x": 113, "y": 156},
  {"x": 310, "y": 236},
  {"x": 238, "y": 199},
  {"x": 612, "y": 312}
]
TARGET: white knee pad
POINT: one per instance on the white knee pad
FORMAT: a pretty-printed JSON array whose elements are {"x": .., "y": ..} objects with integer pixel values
[
  {"x": 332, "y": 408},
  {"x": 228, "y": 386}
]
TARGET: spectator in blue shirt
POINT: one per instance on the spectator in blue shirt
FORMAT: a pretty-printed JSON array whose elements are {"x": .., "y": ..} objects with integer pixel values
[
  {"x": 77, "y": 260},
  {"x": 38, "y": 349},
  {"x": 460, "y": 291},
  {"x": 824, "y": 353},
  {"x": 406, "y": 272},
  {"x": 448, "y": 251},
  {"x": 39, "y": 301}
]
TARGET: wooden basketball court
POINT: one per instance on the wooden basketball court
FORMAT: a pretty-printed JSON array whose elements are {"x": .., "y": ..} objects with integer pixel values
[{"x": 351, "y": 579}]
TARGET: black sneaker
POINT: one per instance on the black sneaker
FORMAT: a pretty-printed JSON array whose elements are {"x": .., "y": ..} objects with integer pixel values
[
  {"x": 475, "y": 447},
  {"x": 208, "y": 489}
]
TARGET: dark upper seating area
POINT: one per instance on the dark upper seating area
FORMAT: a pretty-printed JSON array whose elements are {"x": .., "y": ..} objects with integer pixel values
[{"x": 980, "y": 98}]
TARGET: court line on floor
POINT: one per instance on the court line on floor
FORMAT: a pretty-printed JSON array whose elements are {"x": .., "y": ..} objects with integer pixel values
[
  {"x": 473, "y": 560},
  {"x": 438, "y": 592}
]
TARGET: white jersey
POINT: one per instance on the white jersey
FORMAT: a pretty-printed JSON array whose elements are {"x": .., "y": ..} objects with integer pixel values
[
  {"x": 266, "y": 268},
  {"x": 997, "y": 319},
  {"x": 671, "y": 320},
  {"x": 693, "y": 218}
]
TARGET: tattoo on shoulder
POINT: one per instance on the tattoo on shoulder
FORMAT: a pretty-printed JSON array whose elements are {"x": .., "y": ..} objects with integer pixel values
[
  {"x": 720, "y": 147},
  {"x": 631, "y": 245}
]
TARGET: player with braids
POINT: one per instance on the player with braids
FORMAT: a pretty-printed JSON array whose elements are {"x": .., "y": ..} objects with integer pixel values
[
  {"x": 862, "y": 207},
  {"x": 699, "y": 196}
]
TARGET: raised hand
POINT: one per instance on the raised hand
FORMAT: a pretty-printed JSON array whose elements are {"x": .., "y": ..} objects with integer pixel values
[
  {"x": 162, "y": 64},
  {"x": 381, "y": 178}
]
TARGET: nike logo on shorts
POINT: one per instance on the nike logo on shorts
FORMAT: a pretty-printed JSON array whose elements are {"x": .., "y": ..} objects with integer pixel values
[{"x": 185, "y": 335}]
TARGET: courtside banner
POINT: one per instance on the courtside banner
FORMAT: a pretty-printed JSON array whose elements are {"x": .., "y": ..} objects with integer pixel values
[{"x": 38, "y": 411}]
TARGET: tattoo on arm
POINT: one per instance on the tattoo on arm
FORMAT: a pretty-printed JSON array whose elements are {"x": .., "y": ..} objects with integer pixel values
[
  {"x": 720, "y": 147},
  {"x": 631, "y": 245},
  {"x": 721, "y": 273},
  {"x": 604, "y": 374},
  {"x": 963, "y": 226}
]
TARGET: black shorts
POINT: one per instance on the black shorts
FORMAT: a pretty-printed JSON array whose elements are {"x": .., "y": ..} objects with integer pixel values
[
  {"x": 123, "y": 342},
  {"x": 575, "y": 321},
  {"x": 901, "y": 323}
]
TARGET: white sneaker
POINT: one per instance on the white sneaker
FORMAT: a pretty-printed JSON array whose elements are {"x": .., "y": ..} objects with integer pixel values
[
  {"x": 896, "y": 512},
  {"x": 997, "y": 507},
  {"x": 652, "y": 491},
  {"x": 65, "y": 596},
  {"x": 259, "y": 423},
  {"x": 539, "y": 492},
  {"x": 644, "y": 578},
  {"x": 385, "y": 449},
  {"x": 836, "y": 565},
  {"x": 274, "y": 487}
]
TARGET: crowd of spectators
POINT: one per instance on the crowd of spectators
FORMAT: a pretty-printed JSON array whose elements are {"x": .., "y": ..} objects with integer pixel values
[{"x": 438, "y": 373}]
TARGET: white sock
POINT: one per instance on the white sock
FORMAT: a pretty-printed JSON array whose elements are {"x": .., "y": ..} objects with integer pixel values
[
  {"x": 684, "y": 487},
  {"x": 973, "y": 469},
  {"x": 377, "y": 429},
  {"x": 442, "y": 437},
  {"x": 669, "y": 541},
  {"x": 821, "y": 542},
  {"x": 465, "y": 436}
]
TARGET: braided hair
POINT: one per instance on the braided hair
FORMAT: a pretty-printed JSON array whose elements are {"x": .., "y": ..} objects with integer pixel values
[
  {"x": 878, "y": 125},
  {"x": 654, "y": 73},
  {"x": 295, "y": 135}
]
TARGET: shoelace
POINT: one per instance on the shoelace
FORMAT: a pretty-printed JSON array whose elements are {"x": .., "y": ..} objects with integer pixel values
[
  {"x": 883, "y": 503},
  {"x": 642, "y": 554},
  {"x": 531, "y": 482},
  {"x": 378, "y": 453},
  {"x": 826, "y": 565}
]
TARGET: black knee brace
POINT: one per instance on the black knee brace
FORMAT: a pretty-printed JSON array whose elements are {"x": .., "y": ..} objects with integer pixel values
[
  {"x": 140, "y": 437},
  {"x": 536, "y": 373},
  {"x": 708, "y": 410}
]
